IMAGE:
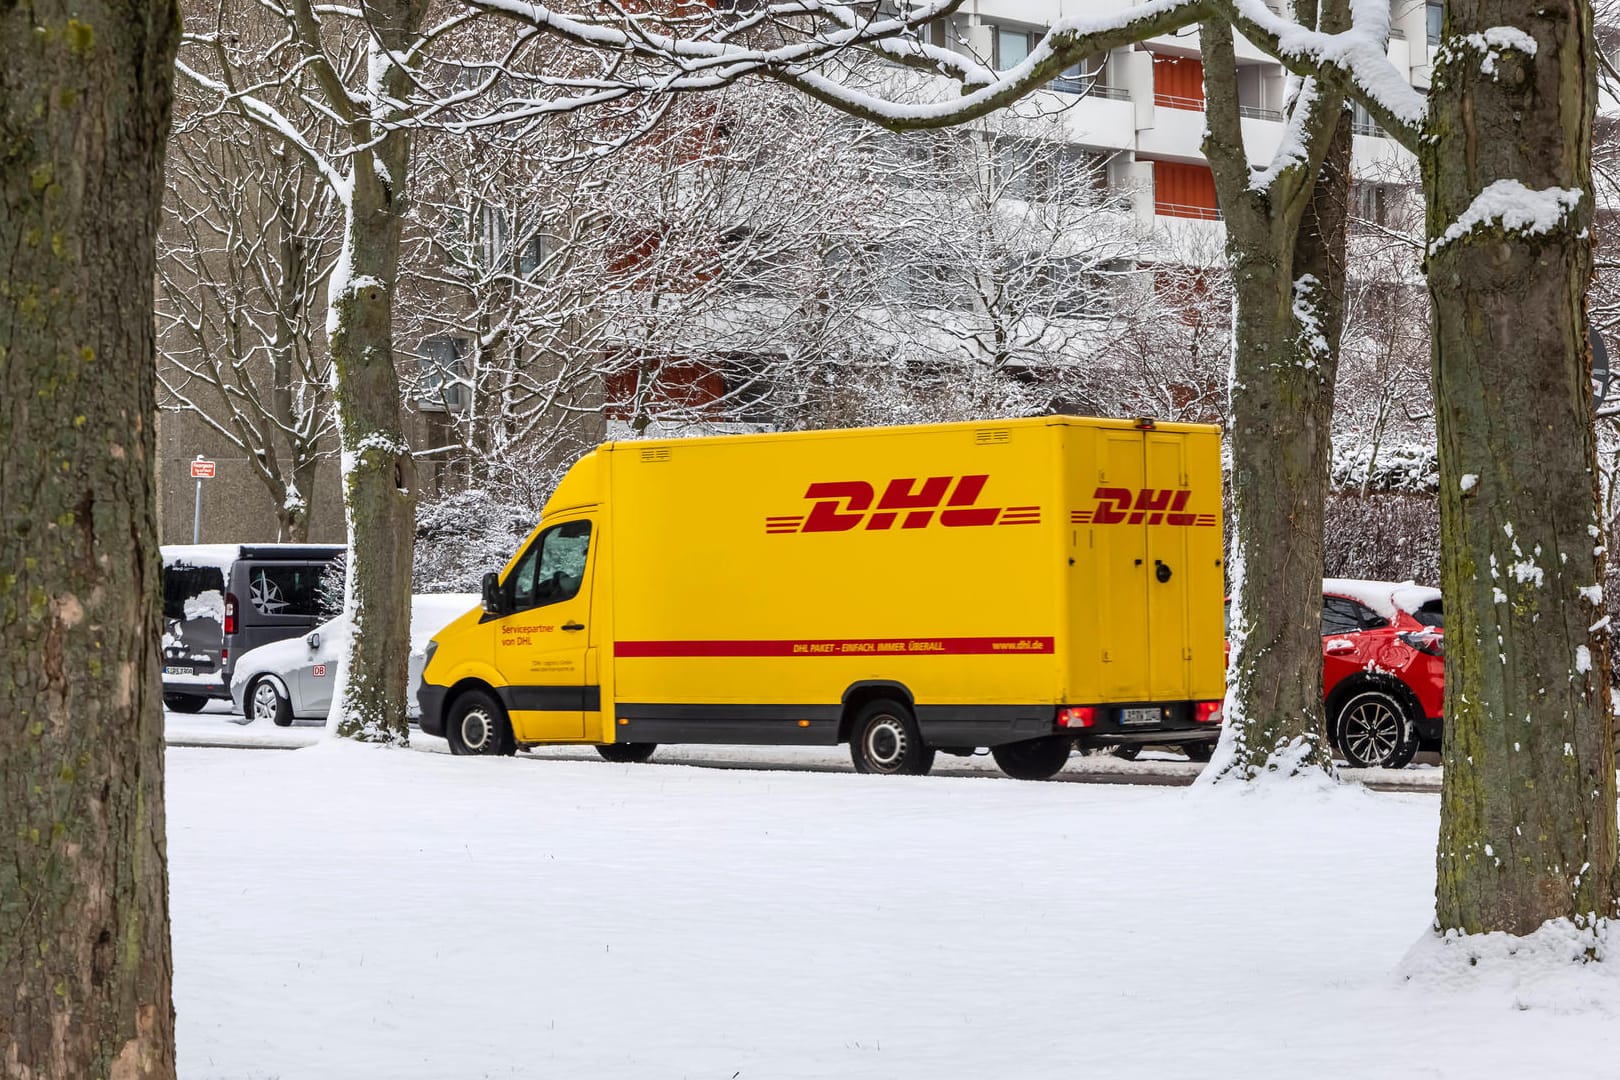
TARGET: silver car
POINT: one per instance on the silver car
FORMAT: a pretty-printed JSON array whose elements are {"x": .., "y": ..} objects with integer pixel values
[{"x": 295, "y": 679}]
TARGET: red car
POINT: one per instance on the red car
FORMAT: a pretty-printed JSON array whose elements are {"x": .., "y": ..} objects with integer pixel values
[{"x": 1383, "y": 669}]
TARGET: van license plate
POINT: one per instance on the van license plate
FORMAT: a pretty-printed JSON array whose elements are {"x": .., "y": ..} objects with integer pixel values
[
  {"x": 176, "y": 670},
  {"x": 1129, "y": 717}
]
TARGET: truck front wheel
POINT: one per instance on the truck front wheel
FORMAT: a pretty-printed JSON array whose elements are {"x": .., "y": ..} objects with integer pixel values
[
  {"x": 1033, "y": 759},
  {"x": 885, "y": 740},
  {"x": 478, "y": 725}
]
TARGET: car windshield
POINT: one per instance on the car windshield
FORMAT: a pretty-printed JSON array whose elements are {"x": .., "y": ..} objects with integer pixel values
[{"x": 1431, "y": 614}]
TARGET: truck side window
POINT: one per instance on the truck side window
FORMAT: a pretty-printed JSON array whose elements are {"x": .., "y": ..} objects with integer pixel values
[{"x": 553, "y": 569}]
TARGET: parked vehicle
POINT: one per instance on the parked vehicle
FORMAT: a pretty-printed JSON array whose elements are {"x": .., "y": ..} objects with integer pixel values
[
  {"x": 1383, "y": 669},
  {"x": 1024, "y": 585},
  {"x": 295, "y": 679},
  {"x": 220, "y": 600}
]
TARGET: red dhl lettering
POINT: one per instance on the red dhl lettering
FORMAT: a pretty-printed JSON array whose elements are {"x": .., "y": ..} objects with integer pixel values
[
  {"x": 1149, "y": 506},
  {"x": 907, "y": 502}
]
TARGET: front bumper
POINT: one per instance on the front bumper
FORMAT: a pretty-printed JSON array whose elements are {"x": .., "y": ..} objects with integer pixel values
[{"x": 431, "y": 700}]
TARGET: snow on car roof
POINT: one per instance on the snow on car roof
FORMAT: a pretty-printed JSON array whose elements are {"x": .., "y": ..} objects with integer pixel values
[
  {"x": 217, "y": 555},
  {"x": 1384, "y": 597}
]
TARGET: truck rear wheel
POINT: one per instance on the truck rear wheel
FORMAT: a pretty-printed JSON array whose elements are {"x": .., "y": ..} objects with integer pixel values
[
  {"x": 885, "y": 740},
  {"x": 478, "y": 725},
  {"x": 185, "y": 702},
  {"x": 1033, "y": 759},
  {"x": 630, "y": 752}
]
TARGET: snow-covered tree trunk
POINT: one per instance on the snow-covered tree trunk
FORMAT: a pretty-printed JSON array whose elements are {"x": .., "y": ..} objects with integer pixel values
[
  {"x": 379, "y": 475},
  {"x": 1527, "y": 824},
  {"x": 1285, "y": 241},
  {"x": 85, "y": 966}
]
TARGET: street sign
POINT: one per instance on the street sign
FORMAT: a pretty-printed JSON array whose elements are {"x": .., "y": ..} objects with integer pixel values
[{"x": 202, "y": 468}]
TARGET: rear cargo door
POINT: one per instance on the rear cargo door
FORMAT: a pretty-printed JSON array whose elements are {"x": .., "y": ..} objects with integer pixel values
[
  {"x": 1121, "y": 566},
  {"x": 1162, "y": 502}
]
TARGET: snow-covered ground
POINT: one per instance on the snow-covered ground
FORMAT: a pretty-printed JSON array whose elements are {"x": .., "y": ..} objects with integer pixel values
[{"x": 347, "y": 911}]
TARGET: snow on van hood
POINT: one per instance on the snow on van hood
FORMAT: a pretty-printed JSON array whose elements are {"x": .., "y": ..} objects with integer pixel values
[{"x": 1384, "y": 597}]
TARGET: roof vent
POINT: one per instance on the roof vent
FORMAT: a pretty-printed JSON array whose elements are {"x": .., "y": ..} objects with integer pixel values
[
  {"x": 991, "y": 436},
  {"x": 655, "y": 453}
]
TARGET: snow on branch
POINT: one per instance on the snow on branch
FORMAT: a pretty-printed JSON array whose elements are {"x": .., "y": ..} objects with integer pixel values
[
  {"x": 1353, "y": 60},
  {"x": 824, "y": 31},
  {"x": 1515, "y": 208}
]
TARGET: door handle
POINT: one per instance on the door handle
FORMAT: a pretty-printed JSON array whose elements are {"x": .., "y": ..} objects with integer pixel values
[
  {"x": 1161, "y": 571},
  {"x": 573, "y": 626}
]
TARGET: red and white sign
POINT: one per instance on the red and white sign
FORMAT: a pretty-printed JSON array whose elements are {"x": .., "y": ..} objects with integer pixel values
[
  {"x": 202, "y": 468},
  {"x": 320, "y": 671}
]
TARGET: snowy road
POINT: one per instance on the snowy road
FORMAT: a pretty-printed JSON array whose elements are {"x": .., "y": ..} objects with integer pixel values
[
  {"x": 354, "y": 913},
  {"x": 217, "y": 728}
]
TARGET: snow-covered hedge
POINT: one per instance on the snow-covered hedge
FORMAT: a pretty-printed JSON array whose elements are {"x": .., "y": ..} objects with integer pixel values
[
  {"x": 1402, "y": 467},
  {"x": 461, "y": 536}
]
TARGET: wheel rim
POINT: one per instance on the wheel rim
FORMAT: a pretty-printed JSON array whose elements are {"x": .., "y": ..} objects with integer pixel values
[
  {"x": 476, "y": 730},
  {"x": 1372, "y": 730},
  {"x": 265, "y": 701},
  {"x": 885, "y": 743}
]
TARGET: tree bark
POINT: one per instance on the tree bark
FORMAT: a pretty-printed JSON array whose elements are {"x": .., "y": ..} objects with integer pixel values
[
  {"x": 379, "y": 476},
  {"x": 1527, "y": 821},
  {"x": 85, "y": 966},
  {"x": 1285, "y": 243}
]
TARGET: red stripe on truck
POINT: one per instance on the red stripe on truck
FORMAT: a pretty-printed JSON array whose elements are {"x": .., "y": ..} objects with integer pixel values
[{"x": 919, "y": 646}]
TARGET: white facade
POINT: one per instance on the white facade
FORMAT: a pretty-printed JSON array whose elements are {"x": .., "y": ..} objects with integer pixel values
[{"x": 1122, "y": 107}]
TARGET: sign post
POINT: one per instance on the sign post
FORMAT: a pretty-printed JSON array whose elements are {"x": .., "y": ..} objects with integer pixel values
[{"x": 201, "y": 469}]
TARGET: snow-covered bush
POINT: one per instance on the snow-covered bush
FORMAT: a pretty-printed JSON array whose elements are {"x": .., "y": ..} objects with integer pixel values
[
  {"x": 1385, "y": 536},
  {"x": 460, "y": 537}
]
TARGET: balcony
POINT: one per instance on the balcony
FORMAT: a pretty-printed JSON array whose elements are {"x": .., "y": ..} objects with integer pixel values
[
  {"x": 1253, "y": 113},
  {"x": 1182, "y": 210},
  {"x": 1172, "y": 101}
]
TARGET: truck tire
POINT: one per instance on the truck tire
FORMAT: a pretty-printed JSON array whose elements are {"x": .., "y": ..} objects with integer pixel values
[
  {"x": 628, "y": 752},
  {"x": 1375, "y": 730},
  {"x": 184, "y": 702},
  {"x": 477, "y": 725},
  {"x": 1033, "y": 759},
  {"x": 1198, "y": 751},
  {"x": 885, "y": 740}
]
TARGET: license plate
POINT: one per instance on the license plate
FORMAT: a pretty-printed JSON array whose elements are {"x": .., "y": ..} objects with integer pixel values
[
  {"x": 171, "y": 670},
  {"x": 1129, "y": 717}
]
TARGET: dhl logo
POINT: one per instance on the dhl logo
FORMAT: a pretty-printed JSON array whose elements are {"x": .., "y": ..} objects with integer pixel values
[
  {"x": 912, "y": 502},
  {"x": 1153, "y": 506}
]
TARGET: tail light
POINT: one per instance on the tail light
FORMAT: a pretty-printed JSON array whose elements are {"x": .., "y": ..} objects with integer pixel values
[
  {"x": 1207, "y": 712},
  {"x": 230, "y": 613},
  {"x": 1426, "y": 641},
  {"x": 1077, "y": 716}
]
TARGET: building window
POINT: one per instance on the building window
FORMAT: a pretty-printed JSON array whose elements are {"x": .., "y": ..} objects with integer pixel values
[
  {"x": 444, "y": 386},
  {"x": 1362, "y": 122},
  {"x": 1185, "y": 191},
  {"x": 1370, "y": 202},
  {"x": 1434, "y": 11},
  {"x": 1013, "y": 46}
]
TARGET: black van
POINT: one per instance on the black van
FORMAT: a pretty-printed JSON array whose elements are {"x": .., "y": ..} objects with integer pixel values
[{"x": 220, "y": 600}]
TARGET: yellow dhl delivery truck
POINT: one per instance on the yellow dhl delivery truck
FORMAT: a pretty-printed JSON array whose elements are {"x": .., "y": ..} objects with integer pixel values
[{"x": 1022, "y": 585}]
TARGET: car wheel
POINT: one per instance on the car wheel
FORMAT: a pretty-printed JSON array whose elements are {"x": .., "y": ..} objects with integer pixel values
[
  {"x": 886, "y": 741},
  {"x": 628, "y": 752},
  {"x": 1033, "y": 759},
  {"x": 478, "y": 725},
  {"x": 184, "y": 702},
  {"x": 265, "y": 701},
  {"x": 1374, "y": 730},
  {"x": 1198, "y": 751}
]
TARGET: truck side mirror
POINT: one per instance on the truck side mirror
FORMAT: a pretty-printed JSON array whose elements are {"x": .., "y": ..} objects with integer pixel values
[
  {"x": 313, "y": 640},
  {"x": 494, "y": 602}
]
